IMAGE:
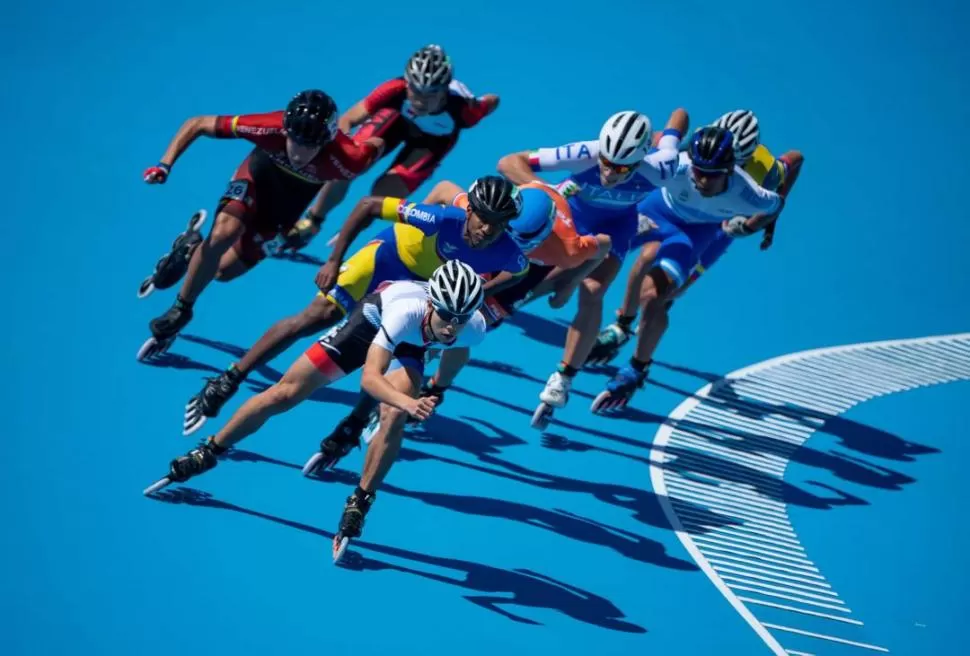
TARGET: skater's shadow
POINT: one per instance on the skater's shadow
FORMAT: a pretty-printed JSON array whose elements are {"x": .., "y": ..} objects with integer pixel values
[
  {"x": 643, "y": 419},
  {"x": 562, "y": 522},
  {"x": 297, "y": 257},
  {"x": 706, "y": 468},
  {"x": 642, "y": 503},
  {"x": 852, "y": 434},
  {"x": 547, "y": 331},
  {"x": 502, "y": 588},
  {"x": 446, "y": 431}
]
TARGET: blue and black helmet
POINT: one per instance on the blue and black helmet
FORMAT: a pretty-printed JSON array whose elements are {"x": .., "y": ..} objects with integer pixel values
[
  {"x": 712, "y": 149},
  {"x": 535, "y": 221}
]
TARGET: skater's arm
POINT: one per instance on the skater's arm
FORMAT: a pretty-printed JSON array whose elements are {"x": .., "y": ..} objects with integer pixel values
[
  {"x": 443, "y": 193},
  {"x": 516, "y": 167},
  {"x": 363, "y": 214},
  {"x": 353, "y": 117},
  {"x": 191, "y": 130},
  {"x": 373, "y": 382},
  {"x": 503, "y": 280}
]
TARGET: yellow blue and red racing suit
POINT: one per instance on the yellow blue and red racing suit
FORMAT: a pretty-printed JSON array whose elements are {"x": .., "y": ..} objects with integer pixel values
[{"x": 422, "y": 238}]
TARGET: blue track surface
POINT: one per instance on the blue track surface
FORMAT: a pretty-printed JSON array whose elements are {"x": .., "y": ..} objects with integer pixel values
[{"x": 487, "y": 535}]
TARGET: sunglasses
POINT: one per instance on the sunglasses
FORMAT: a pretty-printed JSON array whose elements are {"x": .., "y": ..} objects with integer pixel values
[
  {"x": 622, "y": 169},
  {"x": 453, "y": 318},
  {"x": 710, "y": 172}
]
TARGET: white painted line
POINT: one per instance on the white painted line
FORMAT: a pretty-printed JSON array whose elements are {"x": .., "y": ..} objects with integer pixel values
[
  {"x": 822, "y": 636},
  {"x": 803, "y": 611},
  {"x": 834, "y": 379},
  {"x": 777, "y": 595}
]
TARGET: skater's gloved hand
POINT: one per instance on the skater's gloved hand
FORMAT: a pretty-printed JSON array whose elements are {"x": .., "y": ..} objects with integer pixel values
[
  {"x": 300, "y": 235},
  {"x": 737, "y": 227},
  {"x": 157, "y": 174},
  {"x": 327, "y": 275},
  {"x": 769, "y": 237},
  {"x": 421, "y": 408}
]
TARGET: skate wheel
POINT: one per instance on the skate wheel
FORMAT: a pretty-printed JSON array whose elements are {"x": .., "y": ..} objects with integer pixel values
[
  {"x": 542, "y": 416},
  {"x": 193, "y": 423},
  {"x": 598, "y": 402},
  {"x": 312, "y": 463},
  {"x": 146, "y": 288},
  {"x": 339, "y": 547},
  {"x": 156, "y": 486},
  {"x": 147, "y": 349},
  {"x": 197, "y": 220}
]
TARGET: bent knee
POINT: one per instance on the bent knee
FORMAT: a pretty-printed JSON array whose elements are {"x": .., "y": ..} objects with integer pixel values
[{"x": 226, "y": 230}]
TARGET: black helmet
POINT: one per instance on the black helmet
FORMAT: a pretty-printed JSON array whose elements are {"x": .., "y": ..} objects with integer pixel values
[
  {"x": 494, "y": 199},
  {"x": 712, "y": 148},
  {"x": 311, "y": 118},
  {"x": 428, "y": 68}
]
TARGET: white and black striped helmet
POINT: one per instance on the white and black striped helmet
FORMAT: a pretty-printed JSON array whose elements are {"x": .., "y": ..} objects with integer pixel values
[
  {"x": 743, "y": 124},
  {"x": 455, "y": 288},
  {"x": 625, "y": 138},
  {"x": 429, "y": 68}
]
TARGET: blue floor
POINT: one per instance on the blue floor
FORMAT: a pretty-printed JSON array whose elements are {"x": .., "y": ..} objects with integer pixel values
[{"x": 487, "y": 534}]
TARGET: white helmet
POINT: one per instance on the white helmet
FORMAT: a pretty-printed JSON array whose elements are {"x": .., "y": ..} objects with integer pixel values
[
  {"x": 625, "y": 137},
  {"x": 455, "y": 288},
  {"x": 743, "y": 124}
]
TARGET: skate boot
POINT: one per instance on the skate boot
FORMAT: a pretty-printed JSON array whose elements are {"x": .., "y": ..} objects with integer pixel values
[
  {"x": 171, "y": 267},
  {"x": 197, "y": 461},
  {"x": 619, "y": 390},
  {"x": 207, "y": 403},
  {"x": 352, "y": 522},
  {"x": 608, "y": 344},
  {"x": 344, "y": 438},
  {"x": 555, "y": 395},
  {"x": 165, "y": 329}
]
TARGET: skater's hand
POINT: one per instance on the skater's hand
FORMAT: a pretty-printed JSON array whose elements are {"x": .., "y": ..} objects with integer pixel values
[
  {"x": 421, "y": 408},
  {"x": 327, "y": 275},
  {"x": 157, "y": 174},
  {"x": 561, "y": 297},
  {"x": 300, "y": 235}
]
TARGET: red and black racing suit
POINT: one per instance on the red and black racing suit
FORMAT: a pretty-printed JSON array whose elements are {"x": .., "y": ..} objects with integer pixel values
[
  {"x": 267, "y": 193},
  {"x": 427, "y": 139}
]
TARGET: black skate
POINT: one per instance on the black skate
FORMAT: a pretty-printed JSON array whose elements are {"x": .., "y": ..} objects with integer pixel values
[
  {"x": 197, "y": 461},
  {"x": 344, "y": 438},
  {"x": 164, "y": 330},
  {"x": 172, "y": 266},
  {"x": 352, "y": 522},
  {"x": 210, "y": 400}
]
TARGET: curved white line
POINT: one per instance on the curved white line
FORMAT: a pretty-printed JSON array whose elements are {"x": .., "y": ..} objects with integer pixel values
[{"x": 865, "y": 390}]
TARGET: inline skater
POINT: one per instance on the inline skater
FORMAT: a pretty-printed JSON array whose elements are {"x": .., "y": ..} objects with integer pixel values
[
  {"x": 757, "y": 161},
  {"x": 558, "y": 259},
  {"x": 608, "y": 177},
  {"x": 423, "y": 237},
  {"x": 397, "y": 321},
  {"x": 295, "y": 151},
  {"x": 424, "y": 111},
  {"x": 709, "y": 193}
]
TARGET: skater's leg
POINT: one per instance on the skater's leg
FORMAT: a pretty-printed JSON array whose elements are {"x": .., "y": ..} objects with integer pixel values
[
  {"x": 232, "y": 265},
  {"x": 205, "y": 260},
  {"x": 321, "y": 314},
  {"x": 582, "y": 333},
  {"x": 611, "y": 338},
  {"x": 298, "y": 383},
  {"x": 384, "y": 447}
]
